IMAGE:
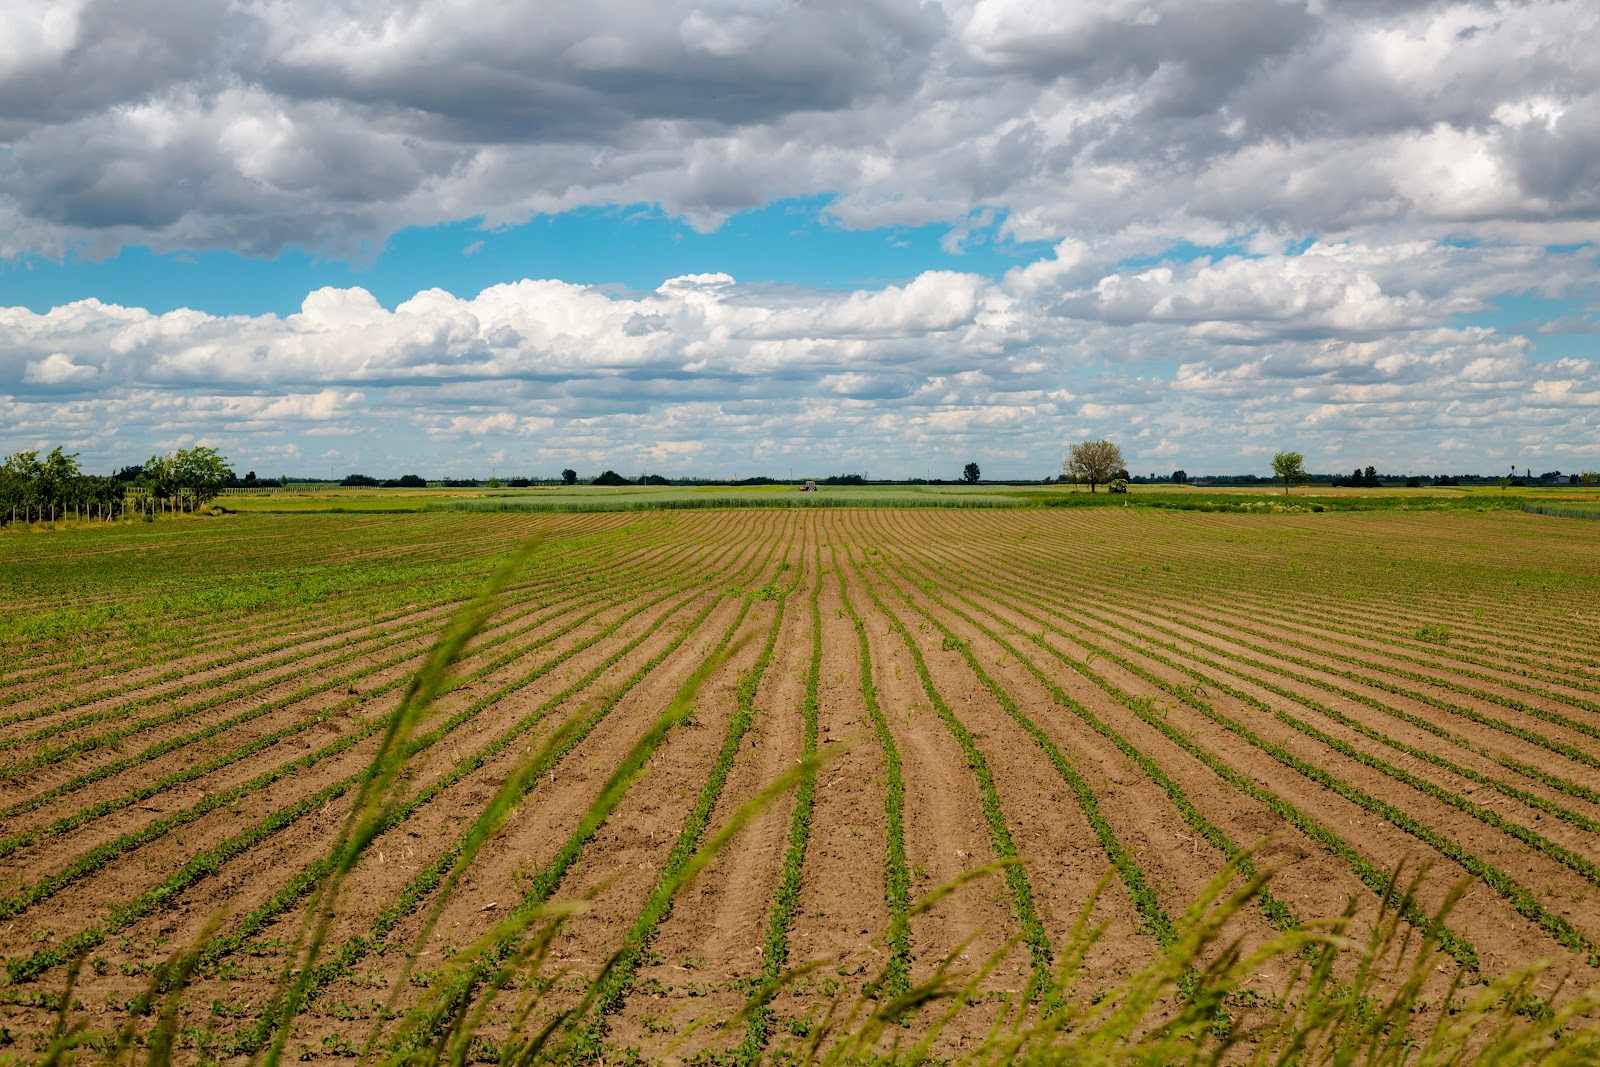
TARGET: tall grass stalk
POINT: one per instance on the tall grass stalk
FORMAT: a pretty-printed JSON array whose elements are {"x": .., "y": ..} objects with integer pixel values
[{"x": 377, "y": 793}]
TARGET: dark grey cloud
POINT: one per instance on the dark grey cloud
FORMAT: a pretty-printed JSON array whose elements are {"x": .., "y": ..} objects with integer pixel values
[
  {"x": 513, "y": 72},
  {"x": 70, "y": 59},
  {"x": 186, "y": 123}
]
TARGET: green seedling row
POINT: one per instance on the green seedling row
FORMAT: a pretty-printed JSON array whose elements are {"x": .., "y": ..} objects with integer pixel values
[
  {"x": 450, "y": 993},
  {"x": 79, "y": 746},
  {"x": 614, "y": 986},
  {"x": 1533, "y": 800},
  {"x": 896, "y": 876},
  {"x": 1371, "y": 875},
  {"x": 1023, "y": 908},
  {"x": 786, "y": 900},
  {"x": 174, "y": 744},
  {"x": 1153, "y": 611},
  {"x": 366, "y": 729},
  {"x": 1532, "y": 737},
  {"x": 354, "y": 626},
  {"x": 1276, "y": 912},
  {"x": 1520, "y": 899},
  {"x": 209, "y": 862}
]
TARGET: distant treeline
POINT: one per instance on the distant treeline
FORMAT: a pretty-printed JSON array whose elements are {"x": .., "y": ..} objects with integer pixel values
[{"x": 35, "y": 488}]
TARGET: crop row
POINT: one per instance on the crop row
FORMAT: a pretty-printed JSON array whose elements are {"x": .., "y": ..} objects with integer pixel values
[
  {"x": 1520, "y": 900},
  {"x": 452, "y": 989},
  {"x": 1149, "y": 908},
  {"x": 255, "y": 646},
  {"x": 1005, "y": 849},
  {"x": 896, "y": 877},
  {"x": 571, "y": 614},
  {"x": 234, "y": 605},
  {"x": 609, "y": 992},
  {"x": 1264, "y": 671},
  {"x": 775, "y": 954},
  {"x": 963, "y": 588},
  {"x": 1151, "y": 612},
  {"x": 236, "y": 640},
  {"x": 277, "y": 822},
  {"x": 209, "y": 862},
  {"x": 349, "y": 702},
  {"x": 350, "y": 952}
]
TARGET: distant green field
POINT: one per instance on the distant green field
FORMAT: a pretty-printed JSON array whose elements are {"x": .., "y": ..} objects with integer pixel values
[
  {"x": 1566, "y": 509},
  {"x": 586, "y": 498},
  {"x": 669, "y": 498}
]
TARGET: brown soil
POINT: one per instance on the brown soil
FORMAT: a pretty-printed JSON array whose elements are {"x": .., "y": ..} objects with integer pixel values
[{"x": 1079, "y": 596}]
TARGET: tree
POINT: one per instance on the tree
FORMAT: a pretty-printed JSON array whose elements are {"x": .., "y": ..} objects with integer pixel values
[
  {"x": 197, "y": 473},
  {"x": 1589, "y": 477},
  {"x": 611, "y": 477},
  {"x": 969, "y": 474},
  {"x": 1180, "y": 477},
  {"x": 58, "y": 473},
  {"x": 569, "y": 477},
  {"x": 1369, "y": 477},
  {"x": 1291, "y": 467},
  {"x": 1095, "y": 462}
]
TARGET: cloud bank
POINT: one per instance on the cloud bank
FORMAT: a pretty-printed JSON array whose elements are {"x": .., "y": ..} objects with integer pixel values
[
  {"x": 1211, "y": 363},
  {"x": 186, "y": 123}
]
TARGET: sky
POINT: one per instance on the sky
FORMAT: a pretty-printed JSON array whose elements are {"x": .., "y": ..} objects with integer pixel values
[{"x": 464, "y": 237}]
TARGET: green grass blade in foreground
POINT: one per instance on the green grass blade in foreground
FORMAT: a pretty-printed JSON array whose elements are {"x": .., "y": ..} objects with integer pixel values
[
  {"x": 661, "y": 899},
  {"x": 657, "y": 907},
  {"x": 452, "y": 990},
  {"x": 1022, "y": 903},
  {"x": 367, "y": 813}
]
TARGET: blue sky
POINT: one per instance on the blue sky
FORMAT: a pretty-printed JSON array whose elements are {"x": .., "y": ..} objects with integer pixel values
[
  {"x": 636, "y": 247},
  {"x": 709, "y": 236}
]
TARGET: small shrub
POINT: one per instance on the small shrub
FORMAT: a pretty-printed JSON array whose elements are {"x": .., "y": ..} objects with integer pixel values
[{"x": 1118, "y": 485}]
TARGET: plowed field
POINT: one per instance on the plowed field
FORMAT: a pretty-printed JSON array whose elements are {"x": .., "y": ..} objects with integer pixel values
[{"x": 187, "y": 711}]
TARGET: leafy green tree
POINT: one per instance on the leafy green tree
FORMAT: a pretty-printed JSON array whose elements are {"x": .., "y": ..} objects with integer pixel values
[
  {"x": 1291, "y": 468},
  {"x": 569, "y": 477},
  {"x": 1181, "y": 477},
  {"x": 969, "y": 474},
  {"x": 57, "y": 474},
  {"x": 1095, "y": 462},
  {"x": 197, "y": 474}
]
